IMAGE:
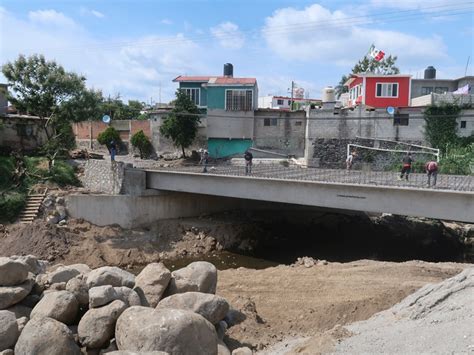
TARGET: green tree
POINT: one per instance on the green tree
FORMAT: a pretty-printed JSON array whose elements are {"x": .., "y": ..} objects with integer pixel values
[
  {"x": 182, "y": 123},
  {"x": 110, "y": 134},
  {"x": 441, "y": 125},
  {"x": 386, "y": 66},
  {"x": 140, "y": 141}
]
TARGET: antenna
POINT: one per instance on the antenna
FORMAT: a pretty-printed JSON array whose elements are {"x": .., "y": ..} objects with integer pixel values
[{"x": 467, "y": 64}]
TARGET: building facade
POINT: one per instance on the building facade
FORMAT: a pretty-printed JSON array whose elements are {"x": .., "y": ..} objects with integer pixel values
[
  {"x": 284, "y": 102},
  {"x": 379, "y": 91}
]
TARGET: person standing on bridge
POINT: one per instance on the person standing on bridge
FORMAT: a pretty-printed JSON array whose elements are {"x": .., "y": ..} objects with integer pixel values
[
  {"x": 112, "y": 149},
  {"x": 406, "y": 166},
  {"x": 204, "y": 160},
  {"x": 431, "y": 168},
  {"x": 248, "y": 162},
  {"x": 350, "y": 160}
]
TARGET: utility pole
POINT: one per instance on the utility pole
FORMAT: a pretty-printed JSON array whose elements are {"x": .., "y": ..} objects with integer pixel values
[{"x": 292, "y": 89}]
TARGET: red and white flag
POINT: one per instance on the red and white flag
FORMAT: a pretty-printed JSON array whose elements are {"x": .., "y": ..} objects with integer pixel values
[{"x": 375, "y": 53}]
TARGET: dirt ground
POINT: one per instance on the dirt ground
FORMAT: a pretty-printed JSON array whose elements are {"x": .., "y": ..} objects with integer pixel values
[{"x": 306, "y": 306}]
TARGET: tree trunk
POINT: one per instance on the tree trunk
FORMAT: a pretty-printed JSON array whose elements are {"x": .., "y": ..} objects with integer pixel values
[{"x": 184, "y": 154}]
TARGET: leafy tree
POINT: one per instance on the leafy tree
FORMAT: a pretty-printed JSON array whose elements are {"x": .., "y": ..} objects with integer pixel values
[
  {"x": 182, "y": 123},
  {"x": 441, "y": 125},
  {"x": 140, "y": 141},
  {"x": 110, "y": 134},
  {"x": 367, "y": 64}
]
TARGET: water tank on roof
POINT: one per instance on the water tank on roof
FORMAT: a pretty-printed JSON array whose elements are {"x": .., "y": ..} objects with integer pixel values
[
  {"x": 430, "y": 73},
  {"x": 228, "y": 70},
  {"x": 329, "y": 94}
]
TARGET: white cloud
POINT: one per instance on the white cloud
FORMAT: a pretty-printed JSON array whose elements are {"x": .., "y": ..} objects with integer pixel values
[
  {"x": 50, "y": 17},
  {"x": 87, "y": 12},
  {"x": 134, "y": 67},
  {"x": 166, "y": 21},
  {"x": 228, "y": 35},
  {"x": 316, "y": 33}
]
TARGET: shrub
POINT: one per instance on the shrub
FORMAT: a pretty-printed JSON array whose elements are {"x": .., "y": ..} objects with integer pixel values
[
  {"x": 110, "y": 134},
  {"x": 11, "y": 205},
  {"x": 140, "y": 141},
  {"x": 63, "y": 174}
]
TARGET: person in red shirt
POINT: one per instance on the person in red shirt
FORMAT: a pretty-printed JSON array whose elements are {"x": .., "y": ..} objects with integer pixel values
[{"x": 431, "y": 169}]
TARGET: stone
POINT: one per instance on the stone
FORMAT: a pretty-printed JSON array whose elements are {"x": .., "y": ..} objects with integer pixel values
[
  {"x": 21, "y": 322},
  {"x": 175, "y": 331},
  {"x": 52, "y": 219},
  {"x": 127, "y": 295},
  {"x": 222, "y": 349},
  {"x": 97, "y": 326},
  {"x": 10, "y": 295},
  {"x": 242, "y": 351},
  {"x": 46, "y": 336},
  {"x": 60, "y": 200},
  {"x": 127, "y": 352},
  {"x": 78, "y": 287},
  {"x": 20, "y": 311},
  {"x": 110, "y": 275},
  {"x": 58, "y": 286},
  {"x": 213, "y": 308},
  {"x": 7, "y": 352},
  {"x": 59, "y": 305},
  {"x": 66, "y": 273},
  {"x": 34, "y": 265},
  {"x": 101, "y": 295},
  {"x": 61, "y": 212},
  {"x": 9, "y": 332},
  {"x": 221, "y": 328},
  {"x": 12, "y": 272},
  {"x": 151, "y": 283},
  {"x": 112, "y": 347},
  {"x": 199, "y": 276}
]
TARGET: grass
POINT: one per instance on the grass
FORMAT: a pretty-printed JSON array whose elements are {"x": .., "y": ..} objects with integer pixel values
[{"x": 13, "y": 197}]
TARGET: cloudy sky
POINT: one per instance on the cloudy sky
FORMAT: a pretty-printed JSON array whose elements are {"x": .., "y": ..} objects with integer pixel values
[{"x": 134, "y": 48}]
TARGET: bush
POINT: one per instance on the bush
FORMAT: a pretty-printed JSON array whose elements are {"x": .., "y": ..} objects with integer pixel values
[
  {"x": 7, "y": 166},
  {"x": 63, "y": 174},
  {"x": 110, "y": 134},
  {"x": 140, "y": 141},
  {"x": 457, "y": 160},
  {"x": 11, "y": 205}
]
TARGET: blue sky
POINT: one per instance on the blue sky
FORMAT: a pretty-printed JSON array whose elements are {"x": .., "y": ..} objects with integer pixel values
[{"x": 134, "y": 48}]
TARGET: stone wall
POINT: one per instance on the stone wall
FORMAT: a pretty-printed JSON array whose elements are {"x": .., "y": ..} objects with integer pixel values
[{"x": 104, "y": 176}]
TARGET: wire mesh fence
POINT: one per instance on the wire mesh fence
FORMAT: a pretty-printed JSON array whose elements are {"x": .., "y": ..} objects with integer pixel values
[{"x": 359, "y": 177}]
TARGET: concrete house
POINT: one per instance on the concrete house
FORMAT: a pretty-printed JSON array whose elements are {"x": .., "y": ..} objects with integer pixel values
[
  {"x": 229, "y": 104},
  {"x": 430, "y": 84}
]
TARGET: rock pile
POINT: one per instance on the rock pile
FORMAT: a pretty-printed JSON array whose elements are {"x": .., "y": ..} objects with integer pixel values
[{"x": 75, "y": 310}]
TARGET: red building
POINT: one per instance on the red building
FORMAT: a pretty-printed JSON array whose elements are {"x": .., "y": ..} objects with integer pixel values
[{"x": 379, "y": 91}]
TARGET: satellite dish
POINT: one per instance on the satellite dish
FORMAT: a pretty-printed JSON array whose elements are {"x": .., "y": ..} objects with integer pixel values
[
  {"x": 106, "y": 119},
  {"x": 390, "y": 110}
]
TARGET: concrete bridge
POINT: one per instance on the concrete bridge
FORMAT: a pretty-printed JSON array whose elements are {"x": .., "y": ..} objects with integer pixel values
[{"x": 378, "y": 192}]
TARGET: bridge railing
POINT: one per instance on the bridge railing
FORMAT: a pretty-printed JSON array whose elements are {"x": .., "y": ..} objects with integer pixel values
[{"x": 296, "y": 173}]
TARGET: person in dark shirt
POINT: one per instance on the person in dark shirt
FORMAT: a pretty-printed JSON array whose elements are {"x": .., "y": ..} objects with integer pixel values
[
  {"x": 406, "y": 166},
  {"x": 112, "y": 150},
  {"x": 248, "y": 162}
]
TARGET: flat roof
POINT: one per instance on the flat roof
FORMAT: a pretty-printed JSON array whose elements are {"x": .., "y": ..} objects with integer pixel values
[{"x": 215, "y": 80}]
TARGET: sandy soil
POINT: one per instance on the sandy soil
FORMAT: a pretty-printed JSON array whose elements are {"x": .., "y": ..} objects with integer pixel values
[{"x": 307, "y": 307}]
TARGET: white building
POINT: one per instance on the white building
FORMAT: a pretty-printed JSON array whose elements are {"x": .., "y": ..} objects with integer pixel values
[{"x": 284, "y": 102}]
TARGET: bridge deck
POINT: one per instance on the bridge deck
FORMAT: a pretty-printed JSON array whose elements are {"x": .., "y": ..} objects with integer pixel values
[{"x": 370, "y": 178}]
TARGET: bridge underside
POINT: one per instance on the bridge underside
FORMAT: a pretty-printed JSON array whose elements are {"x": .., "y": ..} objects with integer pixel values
[{"x": 439, "y": 204}]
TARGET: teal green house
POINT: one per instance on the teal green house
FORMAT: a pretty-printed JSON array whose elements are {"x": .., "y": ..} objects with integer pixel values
[{"x": 229, "y": 104}]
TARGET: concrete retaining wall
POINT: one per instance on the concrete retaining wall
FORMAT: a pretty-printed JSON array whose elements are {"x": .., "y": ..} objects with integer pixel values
[{"x": 104, "y": 176}]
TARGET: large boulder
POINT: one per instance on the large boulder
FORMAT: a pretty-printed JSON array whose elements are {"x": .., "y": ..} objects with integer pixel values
[
  {"x": 242, "y": 351},
  {"x": 12, "y": 272},
  {"x": 176, "y": 331},
  {"x": 110, "y": 275},
  {"x": 213, "y": 308},
  {"x": 66, "y": 273},
  {"x": 101, "y": 295},
  {"x": 97, "y": 326},
  {"x": 34, "y": 265},
  {"x": 46, "y": 336},
  {"x": 151, "y": 283},
  {"x": 199, "y": 276},
  {"x": 59, "y": 305},
  {"x": 78, "y": 287},
  {"x": 10, "y": 295},
  {"x": 9, "y": 331},
  {"x": 222, "y": 348}
]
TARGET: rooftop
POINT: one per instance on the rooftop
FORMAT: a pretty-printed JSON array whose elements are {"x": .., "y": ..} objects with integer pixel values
[{"x": 215, "y": 80}]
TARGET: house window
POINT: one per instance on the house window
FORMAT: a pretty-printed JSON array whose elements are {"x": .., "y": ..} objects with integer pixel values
[
  {"x": 274, "y": 121},
  {"x": 289, "y": 102},
  {"x": 441, "y": 89},
  {"x": 463, "y": 124},
  {"x": 270, "y": 122},
  {"x": 279, "y": 102},
  {"x": 298, "y": 123},
  {"x": 239, "y": 100},
  {"x": 387, "y": 90},
  {"x": 426, "y": 90},
  {"x": 266, "y": 122},
  {"x": 193, "y": 95},
  {"x": 401, "y": 119}
]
